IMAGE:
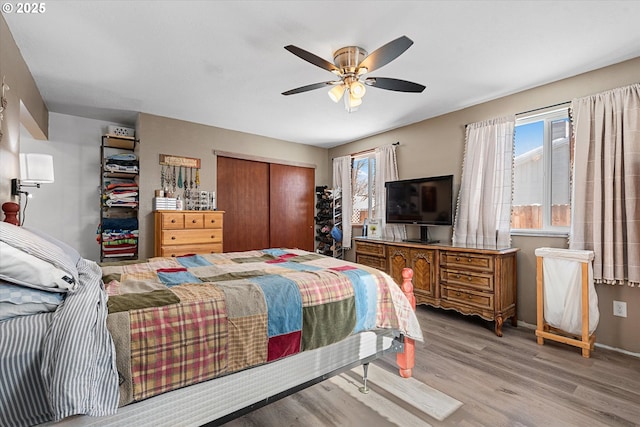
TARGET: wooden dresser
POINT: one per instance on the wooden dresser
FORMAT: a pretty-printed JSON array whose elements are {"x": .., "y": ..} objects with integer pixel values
[
  {"x": 187, "y": 232},
  {"x": 470, "y": 280}
]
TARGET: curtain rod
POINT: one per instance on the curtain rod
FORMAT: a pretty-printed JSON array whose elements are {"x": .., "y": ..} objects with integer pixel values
[
  {"x": 534, "y": 110},
  {"x": 370, "y": 150},
  {"x": 544, "y": 108}
]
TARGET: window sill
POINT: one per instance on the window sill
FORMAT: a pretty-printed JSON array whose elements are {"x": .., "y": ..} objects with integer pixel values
[{"x": 540, "y": 233}]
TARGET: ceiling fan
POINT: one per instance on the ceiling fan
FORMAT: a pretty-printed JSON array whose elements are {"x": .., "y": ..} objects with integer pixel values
[{"x": 351, "y": 63}]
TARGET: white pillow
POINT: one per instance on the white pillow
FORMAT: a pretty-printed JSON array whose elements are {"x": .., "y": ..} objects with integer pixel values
[
  {"x": 31, "y": 244},
  {"x": 27, "y": 270}
]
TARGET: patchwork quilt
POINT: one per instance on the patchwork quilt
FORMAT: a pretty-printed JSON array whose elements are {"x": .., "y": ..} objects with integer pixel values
[{"x": 179, "y": 321}]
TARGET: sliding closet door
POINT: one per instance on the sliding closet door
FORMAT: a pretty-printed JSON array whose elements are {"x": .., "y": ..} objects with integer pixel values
[
  {"x": 291, "y": 206},
  {"x": 243, "y": 193}
]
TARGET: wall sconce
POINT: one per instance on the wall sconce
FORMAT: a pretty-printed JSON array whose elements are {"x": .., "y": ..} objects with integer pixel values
[{"x": 35, "y": 169}]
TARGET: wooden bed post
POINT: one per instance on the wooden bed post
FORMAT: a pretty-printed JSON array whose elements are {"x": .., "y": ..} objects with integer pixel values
[
  {"x": 11, "y": 211},
  {"x": 406, "y": 360}
]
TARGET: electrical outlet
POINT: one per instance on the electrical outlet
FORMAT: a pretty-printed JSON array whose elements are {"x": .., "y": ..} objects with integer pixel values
[{"x": 620, "y": 308}]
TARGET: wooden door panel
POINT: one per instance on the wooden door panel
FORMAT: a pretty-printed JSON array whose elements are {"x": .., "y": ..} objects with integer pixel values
[
  {"x": 291, "y": 206},
  {"x": 399, "y": 259},
  {"x": 424, "y": 277},
  {"x": 243, "y": 193}
]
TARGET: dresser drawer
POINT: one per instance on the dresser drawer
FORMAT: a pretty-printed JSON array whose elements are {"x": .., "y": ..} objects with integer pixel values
[
  {"x": 213, "y": 220},
  {"x": 193, "y": 220},
  {"x": 173, "y": 251},
  {"x": 375, "y": 249},
  {"x": 466, "y": 261},
  {"x": 481, "y": 281},
  {"x": 371, "y": 261},
  {"x": 172, "y": 221},
  {"x": 182, "y": 237},
  {"x": 466, "y": 297}
]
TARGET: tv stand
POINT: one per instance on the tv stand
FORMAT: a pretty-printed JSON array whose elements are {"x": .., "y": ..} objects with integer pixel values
[
  {"x": 468, "y": 279},
  {"x": 424, "y": 237}
]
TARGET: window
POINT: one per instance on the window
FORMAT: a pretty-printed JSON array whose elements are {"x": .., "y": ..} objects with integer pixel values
[
  {"x": 542, "y": 165},
  {"x": 363, "y": 190}
]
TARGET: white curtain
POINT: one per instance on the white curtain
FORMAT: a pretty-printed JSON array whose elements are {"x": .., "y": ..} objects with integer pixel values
[
  {"x": 606, "y": 183},
  {"x": 386, "y": 170},
  {"x": 342, "y": 181},
  {"x": 483, "y": 215}
]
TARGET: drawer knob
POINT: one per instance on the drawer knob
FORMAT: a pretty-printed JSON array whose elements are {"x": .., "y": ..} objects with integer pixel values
[
  {"x": 457, "y": 276},
  {"x": 458, "y": 294},
  {"x": 469, "y": 278},
  {"x": 173, "y": 255},
  {"x": 173, "y": 237},
  {"x": 193, "y": 221},
  {"x": 469, "y": 260},
  {"x": 173, "y": 221},
  {"x": 457, "y": 258},
  {"x": 213, "y": 236},
  {"x": 213, "y": 221},
  {"x": 470, "y": 296}
]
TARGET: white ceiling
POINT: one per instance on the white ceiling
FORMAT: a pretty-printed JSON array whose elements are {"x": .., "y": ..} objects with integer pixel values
[{"x": 223, "y": 63}]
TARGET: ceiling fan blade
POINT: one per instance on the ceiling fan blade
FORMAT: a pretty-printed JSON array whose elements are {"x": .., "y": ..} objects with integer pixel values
[
  {"x": 385, "y": 54},
  {"x": 308, "y": 88},
  {"x": 394, "y": 84},
  {"x": 310, "y": 57}
]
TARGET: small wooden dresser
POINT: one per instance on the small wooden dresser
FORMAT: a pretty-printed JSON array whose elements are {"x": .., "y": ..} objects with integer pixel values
[{"x": 187, "y": 232}]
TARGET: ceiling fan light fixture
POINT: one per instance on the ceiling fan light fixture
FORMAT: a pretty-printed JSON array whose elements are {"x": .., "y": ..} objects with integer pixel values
[
  {"x": 357, "y": 89},
  {"x": 336, "y": 92},
  {"x": 353, "y": 102},
  {"x": 350, "y": 64}
]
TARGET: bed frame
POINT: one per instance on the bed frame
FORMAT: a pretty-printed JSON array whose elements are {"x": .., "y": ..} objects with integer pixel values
[{"x": 223, "y": 399}]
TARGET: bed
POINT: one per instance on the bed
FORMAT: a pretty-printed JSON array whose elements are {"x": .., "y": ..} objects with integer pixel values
[{"x": 193, "y": 339}]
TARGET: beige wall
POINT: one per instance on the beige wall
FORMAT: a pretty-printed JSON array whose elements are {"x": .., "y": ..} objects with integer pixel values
[
  {"x": 435, "y": 147},
  {"x": 161, "y": 135},
  {"x": 34, "y": 114}
]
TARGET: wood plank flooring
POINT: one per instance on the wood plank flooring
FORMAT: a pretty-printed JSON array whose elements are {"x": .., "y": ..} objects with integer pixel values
[{"x": 508, "y": 381}]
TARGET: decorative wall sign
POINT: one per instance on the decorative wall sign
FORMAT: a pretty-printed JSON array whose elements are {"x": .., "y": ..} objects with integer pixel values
[{"x": 188, "y": 162}]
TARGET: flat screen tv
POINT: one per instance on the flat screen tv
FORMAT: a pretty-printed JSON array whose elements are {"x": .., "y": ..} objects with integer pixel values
[{"x": 423, "y": 201}]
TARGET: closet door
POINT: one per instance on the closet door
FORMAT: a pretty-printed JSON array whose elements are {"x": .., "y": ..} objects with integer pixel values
[
  {"x": 243, "y": 193},
  {"x": 291, "y": 207}
]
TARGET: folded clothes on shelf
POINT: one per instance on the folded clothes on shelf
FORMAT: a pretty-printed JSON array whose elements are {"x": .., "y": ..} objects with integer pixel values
[{"x": 119, "y": 224}]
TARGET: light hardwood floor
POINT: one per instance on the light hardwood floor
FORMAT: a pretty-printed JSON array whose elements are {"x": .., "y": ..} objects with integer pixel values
[{"x": 508, "y": 381}]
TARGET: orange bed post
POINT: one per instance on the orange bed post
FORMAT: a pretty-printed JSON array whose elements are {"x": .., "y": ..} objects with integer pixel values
[{"x": 406, "y": 360}]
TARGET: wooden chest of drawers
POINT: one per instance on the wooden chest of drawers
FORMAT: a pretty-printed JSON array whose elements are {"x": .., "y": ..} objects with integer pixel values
[
  {"x": 372, "y": 255},
  {"x": 470, "y": 280},
  {"x": 188, "y": 232}
]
